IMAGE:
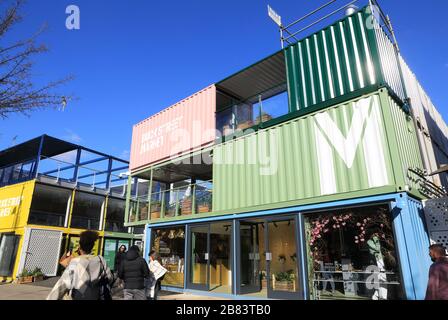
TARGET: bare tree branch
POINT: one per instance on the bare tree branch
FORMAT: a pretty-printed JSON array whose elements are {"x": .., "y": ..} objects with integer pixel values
[{"x": 18, "y": 92}]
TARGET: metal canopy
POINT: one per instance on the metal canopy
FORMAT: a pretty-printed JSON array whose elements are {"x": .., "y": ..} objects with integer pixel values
[
  {"x": 30, "y": 149},
  {"x": 259, "y": 77},
  {"x": 198, "y": 166},
  {"x": 173, "y": 173},
  {"x": 50, "y": 147}
]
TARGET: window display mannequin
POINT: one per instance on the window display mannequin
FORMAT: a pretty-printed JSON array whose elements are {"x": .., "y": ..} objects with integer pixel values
[{"x": 374, "y": 246}]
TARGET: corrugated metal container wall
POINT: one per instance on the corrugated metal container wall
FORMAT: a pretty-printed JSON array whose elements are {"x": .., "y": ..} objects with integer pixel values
[
  {"x": 339, "y": 60},
  {"x": 339, "y": 150},
  {"x": 402, "y": 126},
  {"x": 433, "y": 131},
  {"x": 185, "y": 126},
  {"x": 413, "y": 241},
  {"x": 389, "y": 63}
]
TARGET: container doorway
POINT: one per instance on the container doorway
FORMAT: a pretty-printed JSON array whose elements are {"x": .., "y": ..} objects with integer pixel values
[
  {"x": 267, "y": 256},
  {"x": 210, "y": 252}
]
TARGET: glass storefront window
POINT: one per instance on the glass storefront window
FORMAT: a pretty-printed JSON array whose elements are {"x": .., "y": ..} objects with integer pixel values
[
  {"x": 8, "y": 252},
  {"x": 6, "y": 175},
  {"x": 115, "y": 215},
  {"x": 49, "y": 206},
  {"x": 87, "y": 209},
  {"x": 351, "y": 254},
  {"x": 169, "y": 243},
  {"x": 110, "y": 250},
  {"x": 241, "y": 115}
]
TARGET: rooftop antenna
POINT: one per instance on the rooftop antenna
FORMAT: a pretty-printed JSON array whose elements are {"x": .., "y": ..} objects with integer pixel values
[{"x": 278, "y": 21}]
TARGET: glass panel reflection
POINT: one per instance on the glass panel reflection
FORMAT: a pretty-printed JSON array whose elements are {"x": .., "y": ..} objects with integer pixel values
[
  {"x": 283, "y": 266},
  {"x": 199, "y": 255},
  {"x": 352, "y": 255},
  {"x": 169, "y": 243}
]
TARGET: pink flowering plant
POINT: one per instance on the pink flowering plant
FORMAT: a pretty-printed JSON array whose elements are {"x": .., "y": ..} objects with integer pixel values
[{"x": 364, "y": 226}]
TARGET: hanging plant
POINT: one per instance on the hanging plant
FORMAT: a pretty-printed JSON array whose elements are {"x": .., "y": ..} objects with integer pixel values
[{"x": 282, "y": 258}]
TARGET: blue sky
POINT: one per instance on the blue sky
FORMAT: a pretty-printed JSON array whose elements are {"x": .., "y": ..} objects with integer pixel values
[{"x": 133, "y": 58}]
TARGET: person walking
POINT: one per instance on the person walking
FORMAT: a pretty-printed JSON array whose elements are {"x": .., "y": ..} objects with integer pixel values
[
  {"x": 133, "y": 271},
  {"x": 157, "y": 272},
  {"x": 438, "y": 274},
  {"x": 119, "y": 257},
  {"x": 86, "y": 277}
]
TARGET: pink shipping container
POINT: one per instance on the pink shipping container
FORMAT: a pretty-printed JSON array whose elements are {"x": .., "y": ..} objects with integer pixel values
[{"x": 183, "y": 127}]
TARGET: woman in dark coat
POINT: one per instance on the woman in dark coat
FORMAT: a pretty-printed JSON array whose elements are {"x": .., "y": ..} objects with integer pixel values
[{"x": 119, "y": 257}]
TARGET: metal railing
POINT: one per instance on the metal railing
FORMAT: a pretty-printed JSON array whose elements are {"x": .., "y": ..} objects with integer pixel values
[
  {"x": 294, "y": 31},
  {"x": 426, "y": 186},
  {"x": 58, "y": 170},
  {"x": 180, "y": 201}
]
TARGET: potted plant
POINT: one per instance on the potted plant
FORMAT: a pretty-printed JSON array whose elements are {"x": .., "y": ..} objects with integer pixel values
[
  {"x": 38, "y": 275},
  {"x": 156, "y": 206},
  {"x": 186, "y": 206},
  {"x": 282, "y": 258},
  {"x": 293, "y": 257},
  {"x": 284, "y": 281},
  {"x": 245, "y": 124},
  {"x": 204, "y": 202},
  {"x": 25, "y": 277},
  {"x": 264, "y": 117},
  {"x": 144, "y": 213}
]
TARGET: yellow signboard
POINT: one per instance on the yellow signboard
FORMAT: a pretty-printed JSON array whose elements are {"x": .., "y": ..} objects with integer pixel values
[{"x": 15, "y": 202}]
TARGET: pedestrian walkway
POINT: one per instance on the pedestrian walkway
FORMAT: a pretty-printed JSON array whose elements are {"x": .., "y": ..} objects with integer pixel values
[{"x": 40, "y": 290}]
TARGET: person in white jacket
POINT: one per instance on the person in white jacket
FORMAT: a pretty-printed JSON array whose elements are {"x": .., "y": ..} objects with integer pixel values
[
  {"x": 156, "y": 273},
  {"x": 82, "y": 277}
]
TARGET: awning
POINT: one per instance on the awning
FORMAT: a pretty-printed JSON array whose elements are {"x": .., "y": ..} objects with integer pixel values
[{"x": 263, "y": 76}]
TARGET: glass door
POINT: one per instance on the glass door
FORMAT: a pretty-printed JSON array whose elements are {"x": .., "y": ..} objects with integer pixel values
[
  {"x": 268, "y": 261},
  {"x": 210, "y": 258},
  {"x": 281, "y": 257},
  {"x": 199, "y": 257},
  {"x": 253, "y": 278}
]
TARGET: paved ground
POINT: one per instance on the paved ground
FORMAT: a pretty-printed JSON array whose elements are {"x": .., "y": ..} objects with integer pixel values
[{"x": 40, "y": 290}]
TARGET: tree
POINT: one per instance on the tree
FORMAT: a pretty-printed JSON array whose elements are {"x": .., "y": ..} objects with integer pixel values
[{"x": 18, "y": 92}]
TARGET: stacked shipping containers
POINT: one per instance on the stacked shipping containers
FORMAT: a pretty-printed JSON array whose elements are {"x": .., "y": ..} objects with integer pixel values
[{"x": 349, "y": 141}]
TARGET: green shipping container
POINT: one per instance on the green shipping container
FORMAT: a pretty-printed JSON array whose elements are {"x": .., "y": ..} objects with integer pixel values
[
  {"x": 358, "y": 148},
  {"x": 348, "y": 58}
]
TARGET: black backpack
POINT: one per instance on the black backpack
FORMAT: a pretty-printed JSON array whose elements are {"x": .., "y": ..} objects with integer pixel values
[{"x": 104, "y": 285}]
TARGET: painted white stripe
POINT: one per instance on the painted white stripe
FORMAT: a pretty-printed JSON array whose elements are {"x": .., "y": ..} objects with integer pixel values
[
  {"x": 373, "y": 147},
  {"x": 347, "y": 61},
  {"x": 330, "y": 76},
  {"x": 302, "y": 71},
  {"x": 345, "y": 146},
  {"x": 325, "y": 163},
  {"x": 366, "y": 49},
  {"x": 338, "y": 65},
  {"x": 358, "y": 61},
  {"x": 321, "y": 82},
  {"x": 311, "y": 70}
]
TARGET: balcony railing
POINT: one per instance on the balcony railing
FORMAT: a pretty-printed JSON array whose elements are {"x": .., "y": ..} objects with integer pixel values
[
  {"x": 181, "y": 201},
  {"x": 53, "y": 170}
]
